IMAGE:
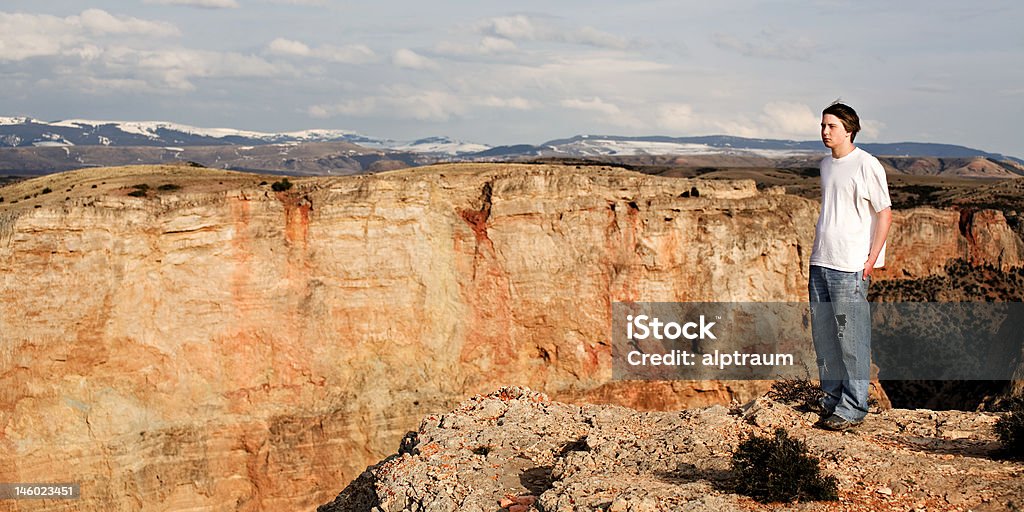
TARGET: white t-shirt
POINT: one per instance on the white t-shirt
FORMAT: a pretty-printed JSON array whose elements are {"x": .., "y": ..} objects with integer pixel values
[{"x": 853, "y": 191}]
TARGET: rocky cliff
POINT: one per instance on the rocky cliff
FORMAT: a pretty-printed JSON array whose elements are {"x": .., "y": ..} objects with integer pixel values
[
  {"x": 193, "y": 339},
  {"x": 924, "y": 239},
  {"x": 515, "y": 450}
]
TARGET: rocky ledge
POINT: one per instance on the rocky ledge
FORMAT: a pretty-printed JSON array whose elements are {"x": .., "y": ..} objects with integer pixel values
[{"x": 516, "y": 450}]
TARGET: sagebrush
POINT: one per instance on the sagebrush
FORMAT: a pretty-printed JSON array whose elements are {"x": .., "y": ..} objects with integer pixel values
[
  {"x": 281, "y": 186},
  {"x": 780, "y": 468},
  {"x": 798, "y": 392},
  {"x": 1010, "y": 428}
]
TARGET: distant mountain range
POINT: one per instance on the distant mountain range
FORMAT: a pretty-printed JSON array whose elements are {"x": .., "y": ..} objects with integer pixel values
[
  {"x": 42, "y": 146},
  {"x": 599, "y": 145},
  {"x": 28, "y": 132}
]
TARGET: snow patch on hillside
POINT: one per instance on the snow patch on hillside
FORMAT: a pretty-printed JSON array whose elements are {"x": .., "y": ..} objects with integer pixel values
[
  {"x": 591, "y": 146},
  {"x": 14, "y": 120}
]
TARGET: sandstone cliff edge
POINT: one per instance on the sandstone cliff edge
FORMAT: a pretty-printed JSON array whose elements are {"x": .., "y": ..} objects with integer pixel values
[{"x": 516, "y": 449}]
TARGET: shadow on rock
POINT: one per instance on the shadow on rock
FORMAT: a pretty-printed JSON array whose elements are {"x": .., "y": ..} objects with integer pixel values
[
  {"x": 537, "y": 480},
  {"x": 959, "y": 447},
  {"x": 359, "y": 496},
  {"x": 721, "y": 480}
]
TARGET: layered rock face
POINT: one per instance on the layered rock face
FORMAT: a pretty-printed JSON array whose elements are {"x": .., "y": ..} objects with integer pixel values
[
  {"x": 923, "y": 240},
  {"x": 225, "y": 347}
]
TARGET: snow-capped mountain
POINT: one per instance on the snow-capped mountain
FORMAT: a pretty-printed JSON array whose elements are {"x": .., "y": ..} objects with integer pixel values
[
  {"x": 612, "y": 145},
  {"x": 438, "y": 145},
  {"x": 28, "y": 132}
]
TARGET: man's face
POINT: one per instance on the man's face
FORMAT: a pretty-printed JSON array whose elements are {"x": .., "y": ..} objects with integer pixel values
[{"x": 833, "y": 133}]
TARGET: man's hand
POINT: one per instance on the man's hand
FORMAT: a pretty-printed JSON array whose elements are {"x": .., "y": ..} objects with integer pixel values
[
  {"x": 869, "y": 265},
  {"x": 878, "y": 240}
]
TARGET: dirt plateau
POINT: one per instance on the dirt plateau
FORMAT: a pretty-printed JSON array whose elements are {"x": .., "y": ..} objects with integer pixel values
[
  {"x": 221, "y": 346},
  {"x": 516, "y": 450}
]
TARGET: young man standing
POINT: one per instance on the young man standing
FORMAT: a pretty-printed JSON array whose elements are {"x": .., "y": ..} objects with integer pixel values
[{"x": 849, "y": 241}]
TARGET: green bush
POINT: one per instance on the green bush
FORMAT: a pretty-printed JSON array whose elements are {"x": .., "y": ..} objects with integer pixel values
[
  {"x": 168, "y": 187},
  {"x": 1010, "y": 429},
  {"x": 780, "y": 469},
  {"x": 137, "y": 193},
  {"x": 281, "y": 186},
  {"x": 47, "y": 190},
  {"x": 141, "y": 186}
]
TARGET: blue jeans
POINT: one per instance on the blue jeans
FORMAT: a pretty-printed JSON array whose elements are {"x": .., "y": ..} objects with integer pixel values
[{"x": 841, "y": 329}]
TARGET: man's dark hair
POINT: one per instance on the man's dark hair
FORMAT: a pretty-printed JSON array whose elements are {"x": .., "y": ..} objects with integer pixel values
[{"x": 847, "y": 115}]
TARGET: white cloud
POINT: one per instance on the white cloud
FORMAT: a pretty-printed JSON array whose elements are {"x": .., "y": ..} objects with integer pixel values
[
  {"x": 594, "y": 37},
  {"x": 349, "y": 54},
  {"x": 527, "y": 28},
  {"x": 609, "y": 114},
  {"x": 487, "y": 45},
  {"x": 490, "y": 45},
  {"x": 170, "y": 70},
  {"x": 790, "y": 120},
  {"x": 95, "y": 85},
  {"x": 870, "y": 129},
  {"x": 677, "y": 117},
  {"x": 594, "y": 104},
  {"x": 102, "y": 51},
  {"x": 314, "y": 3},
  {"x": 25, "y": 36},
  {"x": 514, "y": 103},
  {"x": 281, "y": 46},
  {"x": 98, "y": 21},
  {"x": 787, "y": 120},
  {"x": 511, "y": 27},
  {"x": 611, "y": 76},
  {"x": 602, "y": 65},
  {"x": 768, "y": 45},
  {"x": 430, "y": 105},
  {"x": 399, "y": 104},
  {"x": 403, "y": 102},
  {"x": 406, "y": 58},
  {"x": 86, "y": 52},
  {"x": 776, "y": 120},
  {"x": 205, "y": 4}
]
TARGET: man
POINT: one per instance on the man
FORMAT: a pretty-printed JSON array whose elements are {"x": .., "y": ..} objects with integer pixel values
[{"x": 849, "y": 241}]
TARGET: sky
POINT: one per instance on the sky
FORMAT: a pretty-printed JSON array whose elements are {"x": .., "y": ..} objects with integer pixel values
[{"x": 525, "y": 72}]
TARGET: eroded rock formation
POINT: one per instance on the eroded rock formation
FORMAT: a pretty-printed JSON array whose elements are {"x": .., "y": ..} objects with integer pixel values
[
  {"x": 923, "y": 240},
  {"x": 225, "y": 347},
  {"x": 518, "y": 450}
]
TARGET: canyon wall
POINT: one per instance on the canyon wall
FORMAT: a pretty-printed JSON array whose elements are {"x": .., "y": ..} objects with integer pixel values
[
  {"x": 225, "y": 347},
  {"x": 922, "y": 240}
]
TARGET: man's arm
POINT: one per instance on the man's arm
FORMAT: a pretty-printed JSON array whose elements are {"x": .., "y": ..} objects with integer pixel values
[{"x": 881, "y": 231}]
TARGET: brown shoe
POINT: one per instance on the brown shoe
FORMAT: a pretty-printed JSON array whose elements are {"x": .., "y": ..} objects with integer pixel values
[{"x": 838, "y": 423}]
